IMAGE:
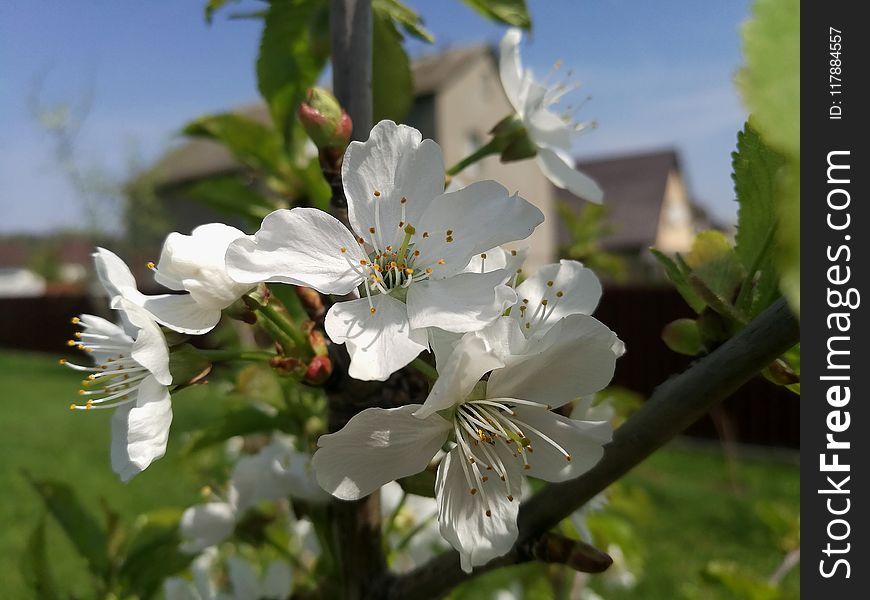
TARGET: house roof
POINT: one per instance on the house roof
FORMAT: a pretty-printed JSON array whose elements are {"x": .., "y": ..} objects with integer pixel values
[
  {"x": 199, "y": 157},
  {"x": 634, "y": 190}
]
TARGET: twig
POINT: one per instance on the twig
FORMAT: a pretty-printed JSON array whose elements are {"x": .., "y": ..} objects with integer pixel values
[{"x": 674, "y": 405}]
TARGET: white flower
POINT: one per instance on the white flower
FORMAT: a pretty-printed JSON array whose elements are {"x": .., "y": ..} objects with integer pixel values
[
  {"x": 177, "y": 311},
  {"x": 412, "y": 243},
  {"x": 277, "y": 471},
  {"x": 551, "y": 133},
  {"x": 247, "y": 585},
  {"x": 131, "y": 374},
  {"x": 196, "y": 263},
  {"x": 412, "y": 515},
  {"x": 201, "y": 588},
  {"x": 501, "y": 428}
]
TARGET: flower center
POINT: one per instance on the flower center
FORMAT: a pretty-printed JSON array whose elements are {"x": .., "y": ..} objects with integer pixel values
[
  {"x": 484, "y": 429},
  {"x": 532, "y": 320},
  {"x": 112, "y": 382},
  {"x": 390, "y": 269}
]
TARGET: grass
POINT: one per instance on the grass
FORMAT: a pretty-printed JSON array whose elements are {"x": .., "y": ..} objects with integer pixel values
[
  {"x": 40, "y": 435},
  {"x": 695, "y": 509}
]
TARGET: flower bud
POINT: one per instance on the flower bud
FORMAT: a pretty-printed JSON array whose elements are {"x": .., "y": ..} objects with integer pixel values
[
  {"x": 319, "y": 370},
  {"x": 325, "y": 122}
]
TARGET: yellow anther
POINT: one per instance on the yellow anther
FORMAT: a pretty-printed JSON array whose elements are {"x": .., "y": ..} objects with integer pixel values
[
  {"x": 81, "y": 392},
  {"x": 392, "y": 264},
  {"x": 80, "y": 346},
  {"x": 377, "y": 194},
  {"x": 89, "y": 405},
  {"x": 409, "y": 271},
  {"x": 488, "y": 513},
  {"x": 343, "y": 249},
  {"x": 205, "y": 491},
  {"x": 371, "y": 229},
  {"x": 72, "y": 406},
  {"x": 78, "y": 334},
  {"x": 483, "y": 256},
  {"x": 449, "y": 232},
  {"x": 440, "y": 261},
  {"x": 75, "y": 320},
  {"x": 525, "y": 300},
  {"x": 70, "y": 343},
  {"x": 472, "y": 491},
  {"x": 484, "y": 478},
  {"x": 513, "y": 252},
  {"x": 544, "y": 302},
  {"x": 568, "y": 457},
  {"x": 401, "y": 224},
  {"x": 549, "y": 284},
  {"x": 389, "y": 248},
  {"x": 363, "y": 261},
  {"x": 528, "y": 325},
  {"x": 559, "y": 294},
  {"x": 150, "y": 265},
  {"x": 377, "y": 267},
  {"x": 61, "y": 361},
  {"x": 449, "y": 239},
  {"x": 416, "y": 253},
  {"x": 360, "y": 241},
  {"x": 429, "y": 270},
  {"x": 372, "y": 310},
  {"x": 510, "y": 498},
  {"x": 425, "y": 234},
  {"x": 403, "y": 200},
  {"x": 526, "y": 467}
]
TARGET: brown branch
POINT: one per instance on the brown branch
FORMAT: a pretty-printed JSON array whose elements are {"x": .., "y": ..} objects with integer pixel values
[
  {"x": 356, "y": 525},
  {"x": 674, "y": 405}
]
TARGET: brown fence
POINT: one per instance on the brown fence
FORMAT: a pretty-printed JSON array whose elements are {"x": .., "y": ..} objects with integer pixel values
[{"x": 759, "y": 413}]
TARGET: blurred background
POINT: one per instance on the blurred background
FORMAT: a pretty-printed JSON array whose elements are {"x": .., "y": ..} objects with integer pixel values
[{"x": 93, "y": 98}]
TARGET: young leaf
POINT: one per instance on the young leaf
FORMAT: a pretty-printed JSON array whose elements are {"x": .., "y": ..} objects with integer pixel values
[
  {"x": 153, "y": 554},
  {"x": 392, "y": 87},
  {"x": 406, "y": 17},
  {"x": 755, "y": 168},
  {"x": 682, "y": 336},
  {"x": 714, "y": 262},
  {"x": 251, "y": 143},
  {"x": 80, "y": 526},
  {"x": 770, "y": 82},
  {"x": 35, "y": 566},
  {"x": 290, "y": 58},
  {"x": 230, "y": 195},
  {"x": 788, "y": 250},
  {"x": 680, "y": 280},
  {"x": 241, "y": 421},
  {"x": 509, "y": 12}
]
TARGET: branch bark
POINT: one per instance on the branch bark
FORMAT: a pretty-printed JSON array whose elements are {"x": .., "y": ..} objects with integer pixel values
[
  {"x": 674, "y": 405},
  {"x": 356, "y": 525}
]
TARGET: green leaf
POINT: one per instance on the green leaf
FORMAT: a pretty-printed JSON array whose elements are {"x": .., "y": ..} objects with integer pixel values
[
  {"x": 741, "y": 582},
  {"x": 291, "y": 58},
  {"x": 770, "y": 81},
  {"x": 788, "y": 238},
  {"x": 80, "y": 526},
  {"x": 230, "y": 195},
  {"x": 682, "y": 336},
  {"x": 153, "y": 554},
  {"x": 679, "y": 277},
  {"x": 240, "y": 421},
  {"x": 714, "y": 262},
  {"x": 253, "y": 144},
  {"x": 509, "y": 12},
  {"x": 35, "y": 566},
  {"x": 755, "y": 167},
  {"x": 392, "y": 87},
  {"x": 406, "y": 17}
]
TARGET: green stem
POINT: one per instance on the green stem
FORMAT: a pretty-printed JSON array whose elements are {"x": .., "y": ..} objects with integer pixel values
[
  {"x": 227, "y": 355},
  {"x": 488, "y": 149},
  {"x": 425, "y": 368},
  {"x": 300, "y": 340}
]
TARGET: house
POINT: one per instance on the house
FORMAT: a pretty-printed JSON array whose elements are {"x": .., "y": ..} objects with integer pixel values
[
  {"x": 647, "y": 204},
  {"x": 33, "y": 266},
  {"x": 458, "y": 100}
]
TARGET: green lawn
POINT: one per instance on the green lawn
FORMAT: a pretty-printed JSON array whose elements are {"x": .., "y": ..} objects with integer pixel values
[
  {"x": 694, "y": 512},
  {"x": 39, "y": 434}
]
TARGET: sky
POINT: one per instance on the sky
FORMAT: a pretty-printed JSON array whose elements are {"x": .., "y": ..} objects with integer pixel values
[{"x": 660, "y": 74}]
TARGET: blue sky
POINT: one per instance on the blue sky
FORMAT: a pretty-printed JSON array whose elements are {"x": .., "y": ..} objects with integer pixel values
[{"x": 659, "y": 73}]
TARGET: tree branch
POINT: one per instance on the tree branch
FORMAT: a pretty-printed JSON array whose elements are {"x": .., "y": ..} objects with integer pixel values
[{"x": 674, "y": 405}]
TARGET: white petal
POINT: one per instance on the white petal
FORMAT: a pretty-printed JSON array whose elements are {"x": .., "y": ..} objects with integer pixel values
[
  {"x": 548, "y": 129},
  {"x": 580, "y": 288},
  {"x": 510, "y": 66},
  {"x": 376, "y": 446},
  {"x": 575, "y": 359},
  {"x": 180, "y": 312},
  {"x": 582, "y": 440},
  {"x": 150, "y": 349},
  {"x": 464, "y": 302},
  {"x": 379, "y": 344},
  {"x": 101, "y": 326},
  {"x": 196, "y": 263},
  {"x": 397, "y": 163},
  {"x": 561, "y": 172},
  {"x": 113, "y": 273},
  {"x": 206, "y": 525},
  {"x": 177, "y": 588},
  {"x": 277, "y": 581},
  {"x": 442, "y": 343},
  {"x": 301, "y": 246},
  {"x": 479, "y": 217},
  {"x": 469, "y": 361},
  {"x": 462, "y": 516},
  {"x": 245, "y": 584},
  {"x": 496, "y": 258},
  {"x": 140, "y": 429}
]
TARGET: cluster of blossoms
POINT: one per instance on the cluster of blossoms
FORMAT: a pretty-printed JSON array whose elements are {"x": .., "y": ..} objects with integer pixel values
[{"x": 419, "y": 269}]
